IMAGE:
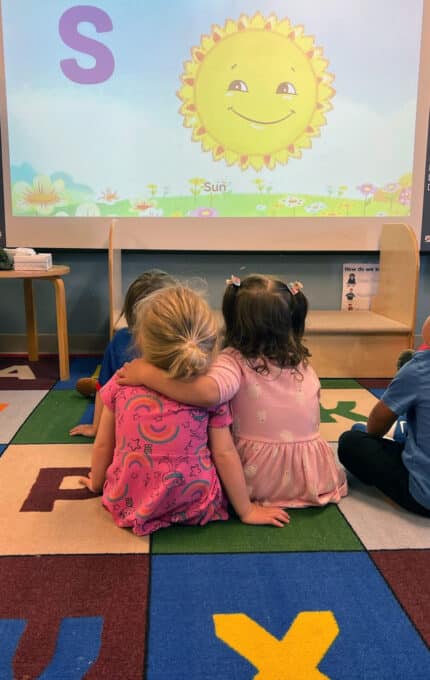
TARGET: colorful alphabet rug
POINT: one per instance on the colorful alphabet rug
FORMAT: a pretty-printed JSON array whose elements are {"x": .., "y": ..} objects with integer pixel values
[{"x": 341, "y": 593}]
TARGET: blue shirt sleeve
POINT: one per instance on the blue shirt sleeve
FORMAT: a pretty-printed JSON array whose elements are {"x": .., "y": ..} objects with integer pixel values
[
  {"x": 107, "y": 370},
  {"x": 119, "y": 350},
  {"x": 402, "y": 392}
]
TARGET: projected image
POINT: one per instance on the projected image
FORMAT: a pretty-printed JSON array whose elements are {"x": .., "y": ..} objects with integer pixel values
[
  {"x": 218, "y": 109},
  {"x": 237, "y": 97}
]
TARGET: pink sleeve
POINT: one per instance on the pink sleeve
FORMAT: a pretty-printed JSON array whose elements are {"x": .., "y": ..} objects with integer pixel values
[
  {"x": 220, "y": 416},
  {"x": 109, "y": 392},
  {"x": 227, "y": 373}
]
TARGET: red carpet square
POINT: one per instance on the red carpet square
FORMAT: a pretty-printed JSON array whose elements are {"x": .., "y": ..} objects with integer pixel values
[
  {"x": 408, "y": 574},
  {"x": 18, "y": 373},
  {"x": 38, "y": 593}
]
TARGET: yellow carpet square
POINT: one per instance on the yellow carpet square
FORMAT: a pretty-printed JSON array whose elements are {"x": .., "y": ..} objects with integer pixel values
[
  {"x": 72, "y": 526},
  {"x": 340, "y": 409}
]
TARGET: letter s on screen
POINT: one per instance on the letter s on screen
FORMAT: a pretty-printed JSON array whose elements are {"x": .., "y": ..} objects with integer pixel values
[{"x": 69, "y": 33}]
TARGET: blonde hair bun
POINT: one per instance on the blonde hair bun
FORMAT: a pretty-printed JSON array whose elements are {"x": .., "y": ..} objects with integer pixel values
[{"x": 176, "y": 330}]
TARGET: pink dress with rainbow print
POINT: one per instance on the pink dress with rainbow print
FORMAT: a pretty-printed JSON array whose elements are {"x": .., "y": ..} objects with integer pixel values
[{"x": 162, "y": 472}]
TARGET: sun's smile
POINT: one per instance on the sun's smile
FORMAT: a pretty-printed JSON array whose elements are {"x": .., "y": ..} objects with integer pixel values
[
  {"x": 261, "y": 65},
  {"x": 261, "y": 122}
]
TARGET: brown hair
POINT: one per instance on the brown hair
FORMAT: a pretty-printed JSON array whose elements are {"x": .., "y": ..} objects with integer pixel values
[
  {"x": 265, "y": 322},
  {"x": 144, "y": 285},
  {"x": 176, "y": 330}
]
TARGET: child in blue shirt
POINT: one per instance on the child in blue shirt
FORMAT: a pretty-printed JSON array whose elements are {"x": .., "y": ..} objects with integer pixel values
[
  {"x": 121, "y": 348},
  {"x": 401, "y": 470}
]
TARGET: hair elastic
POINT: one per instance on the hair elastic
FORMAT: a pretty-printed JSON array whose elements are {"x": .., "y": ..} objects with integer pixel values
[
  {"x": 295, "y": 287},
  {"x": 233, "y": 281}
]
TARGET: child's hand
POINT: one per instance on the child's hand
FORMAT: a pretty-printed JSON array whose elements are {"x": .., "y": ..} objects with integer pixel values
[
  {"x": 130, "y": 373},
  {"x": 265, "y": 514},
  {"x": 88, "y": 482},
  {"x": 84, "y": 430}
]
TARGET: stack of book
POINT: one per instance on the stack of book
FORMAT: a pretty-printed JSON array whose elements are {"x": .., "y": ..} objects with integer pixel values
[{"x": 40, "y": 262}]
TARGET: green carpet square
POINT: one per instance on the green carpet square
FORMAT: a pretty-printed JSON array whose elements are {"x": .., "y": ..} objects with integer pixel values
[
  {"x": 310, "y": 529},
  {"x": 51, "y": 421},
  {"x": 340, "y": 384}
]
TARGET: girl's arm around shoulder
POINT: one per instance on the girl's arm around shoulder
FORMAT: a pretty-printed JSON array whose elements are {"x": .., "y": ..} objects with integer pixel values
[
  {"x": 200, "y": 391},
  {"x": 229, "y": 467},
  {"x": 103, "y": 449}
]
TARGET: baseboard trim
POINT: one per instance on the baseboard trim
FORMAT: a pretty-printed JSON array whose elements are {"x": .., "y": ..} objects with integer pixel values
[{"x": 78, "y": 344}]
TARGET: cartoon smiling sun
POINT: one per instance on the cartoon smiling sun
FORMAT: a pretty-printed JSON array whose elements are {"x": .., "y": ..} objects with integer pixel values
[{"x": 256, "y": 91}]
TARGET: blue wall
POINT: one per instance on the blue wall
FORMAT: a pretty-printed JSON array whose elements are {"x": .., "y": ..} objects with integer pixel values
[{"x": 87, "y": 284}]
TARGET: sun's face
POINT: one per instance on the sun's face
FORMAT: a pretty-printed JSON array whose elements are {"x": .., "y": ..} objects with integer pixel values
[{"x": 255, "y": 92}]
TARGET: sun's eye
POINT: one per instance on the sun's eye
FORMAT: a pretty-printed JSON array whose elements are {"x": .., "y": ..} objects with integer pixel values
[
  {"x": 286, "y": 88},
  {"x": 238, "y": 86}
]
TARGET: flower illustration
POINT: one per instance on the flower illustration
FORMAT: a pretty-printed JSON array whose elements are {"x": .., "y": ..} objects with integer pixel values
[
  {"x": 43, "y": 196},
  {"x": 347, "y": 207},
  {"x": 391, "y": 188},
  {"x": 367, "y": 189},
  {"x": 314, "y": 208},
  {"x": 261, "y": 207},
  {"x": 87, "y": 210},
  {"x": 276, "y": 207},
  {"x": 405, "y": 196},
  {"x": 293, "y": 202},
  {"x": 141, "y": 205},
  {"x": 204, "y": 212},
  {"x": 259, "y": 183},
  {"x": 153, "y": 212},
  {"x": 153, "y": 188},
  {"x": 109, "y": 196},
  {"x": 196, "y": 186}
]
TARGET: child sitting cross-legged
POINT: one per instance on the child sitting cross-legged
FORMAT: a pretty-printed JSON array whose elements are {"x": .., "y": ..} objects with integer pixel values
[
  {"x": 399, "y": 468},
  {"x": 154, "y": 457}
]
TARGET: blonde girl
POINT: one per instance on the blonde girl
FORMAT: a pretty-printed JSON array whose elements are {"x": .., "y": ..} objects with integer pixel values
[{"x": 154, "y": 456}]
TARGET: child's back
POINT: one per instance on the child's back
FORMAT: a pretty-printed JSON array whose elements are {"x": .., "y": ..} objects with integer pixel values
[
  {"x": 276, "y": 421},
  {"x": 161, "y": 472},
  {"x": 151, "y": 454},
  {"x": 274, "y": 394}
]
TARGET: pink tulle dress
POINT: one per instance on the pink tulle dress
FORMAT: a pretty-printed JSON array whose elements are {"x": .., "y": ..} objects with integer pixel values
[
  {"x": 276, "y": 420},
  {"x": 162, "y": 471}
]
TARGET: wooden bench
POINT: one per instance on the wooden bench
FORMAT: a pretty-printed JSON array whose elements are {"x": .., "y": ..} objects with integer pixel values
[
  {"x": 366, "y": 344},
  {"x": 358, "y": 344}
]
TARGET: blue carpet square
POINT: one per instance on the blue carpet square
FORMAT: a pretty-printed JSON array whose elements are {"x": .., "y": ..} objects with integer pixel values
[
  {"x": 377, "y": 391},
  {"x": 376, "y": 639},
  {"x": 2, "y": 448},
  {"x": 80, "y": 367},
  {"x": 88, "y": 415}
]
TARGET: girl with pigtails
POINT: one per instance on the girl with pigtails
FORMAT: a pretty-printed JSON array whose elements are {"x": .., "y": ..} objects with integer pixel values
[
  {"x": 153, "y": 457},
  {"x": 273, "y": 391}
]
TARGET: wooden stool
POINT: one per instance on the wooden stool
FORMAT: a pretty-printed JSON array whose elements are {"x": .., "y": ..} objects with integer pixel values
[{"x": 55, "y": 275}]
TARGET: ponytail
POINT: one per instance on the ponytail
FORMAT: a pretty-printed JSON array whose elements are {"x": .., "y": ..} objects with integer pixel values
[{"x": 176, "y": 330}]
